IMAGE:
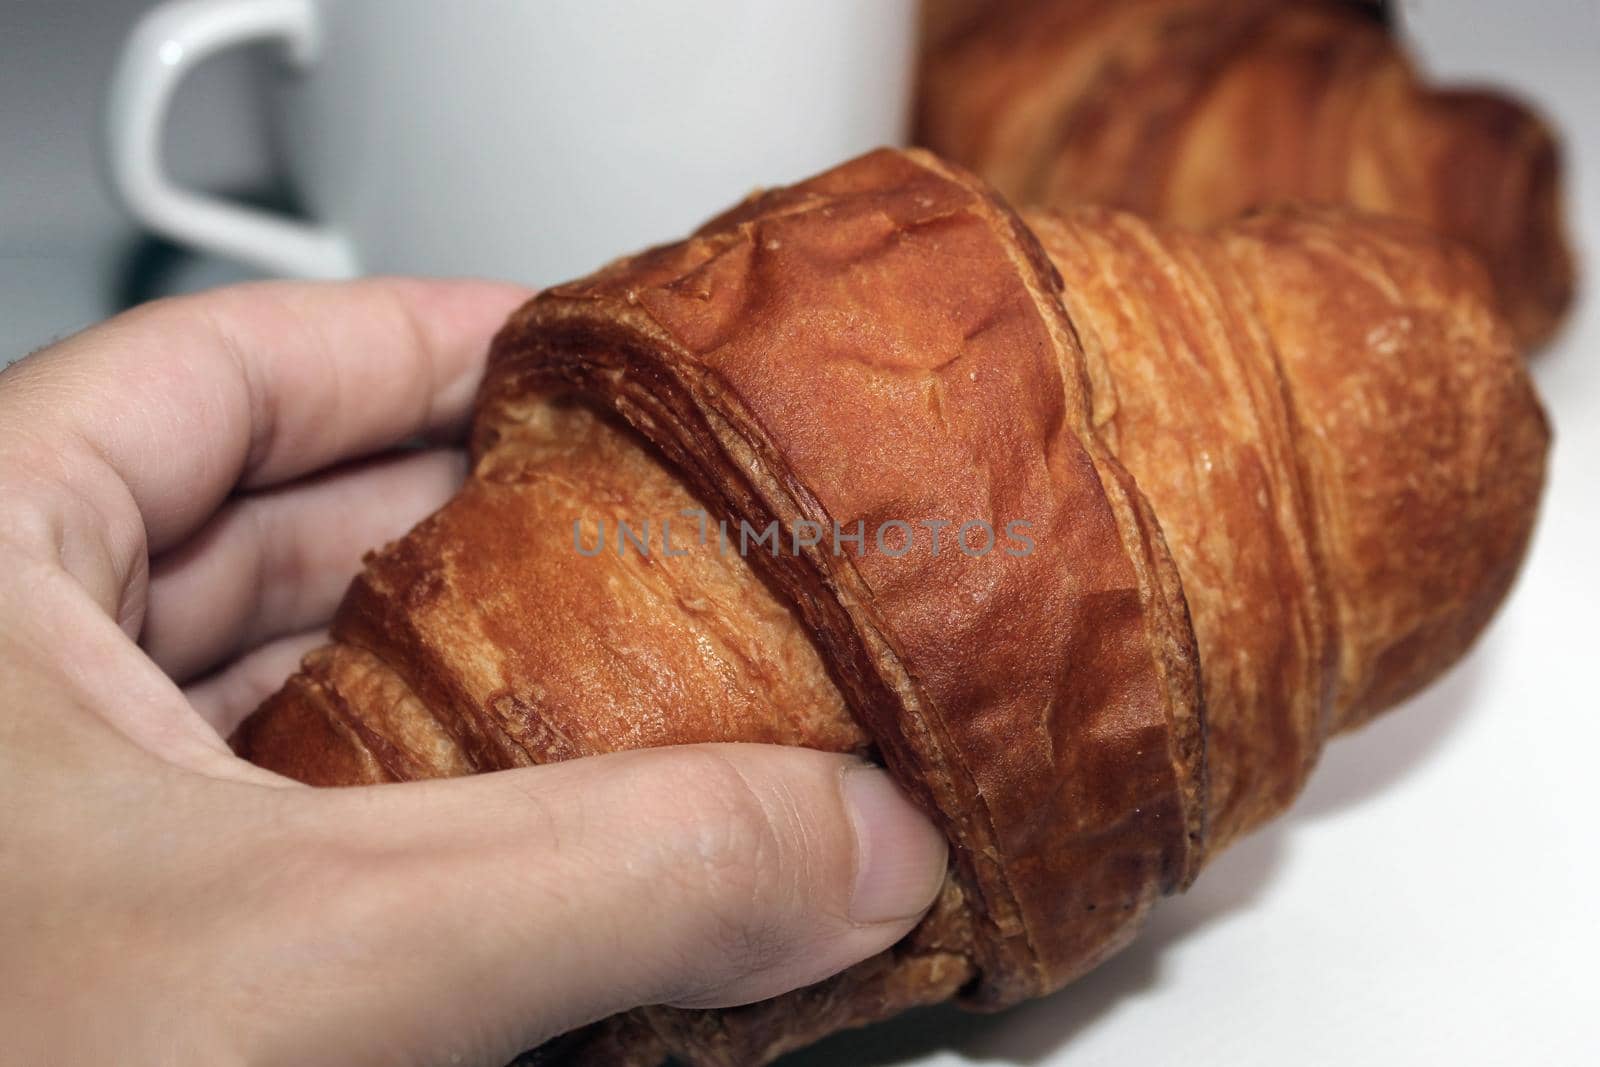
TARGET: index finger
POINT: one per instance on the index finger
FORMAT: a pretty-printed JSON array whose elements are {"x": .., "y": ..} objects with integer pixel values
[{"x": 186, "y": 398}]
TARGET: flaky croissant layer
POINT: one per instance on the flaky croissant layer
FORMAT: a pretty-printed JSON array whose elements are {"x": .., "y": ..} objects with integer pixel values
[
  {"x": 1194, "y": 110},
  {"x": 1276, "y": 476}
]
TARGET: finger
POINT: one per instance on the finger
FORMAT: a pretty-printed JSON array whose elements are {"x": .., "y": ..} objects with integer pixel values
[
  {"x": 226, "y": 698},
  {"x": 102, "y": 680},
  {"x": 477, "y": 917},
  {"x": 135, "y": 430},
  {"x": 277, "y": 561}
]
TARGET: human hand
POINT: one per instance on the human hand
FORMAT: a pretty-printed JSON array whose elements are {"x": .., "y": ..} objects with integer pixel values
[{"x": 185, "y": 491}]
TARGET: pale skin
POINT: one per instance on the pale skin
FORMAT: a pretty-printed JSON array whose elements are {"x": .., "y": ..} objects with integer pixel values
[{"x": 185, "y": 492}]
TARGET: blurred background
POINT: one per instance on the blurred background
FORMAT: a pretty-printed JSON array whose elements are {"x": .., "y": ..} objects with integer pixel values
[
  {"x": 636, "y": 121},
  {"x": 68, "y": 256}
]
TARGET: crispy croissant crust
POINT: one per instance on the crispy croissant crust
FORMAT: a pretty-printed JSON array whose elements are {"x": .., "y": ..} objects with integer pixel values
[
  {"x": 1322, "y": 411},
  {"x": 1193, "y": 110}
]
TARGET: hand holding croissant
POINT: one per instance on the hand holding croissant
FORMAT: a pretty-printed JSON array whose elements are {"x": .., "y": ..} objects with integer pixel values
[
  {"x": 179, "y": 474},
  {"x": 1278, "y": 475}
]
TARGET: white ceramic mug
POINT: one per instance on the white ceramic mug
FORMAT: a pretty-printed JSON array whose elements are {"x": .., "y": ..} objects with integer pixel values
[{"x": 522, "y": 139}]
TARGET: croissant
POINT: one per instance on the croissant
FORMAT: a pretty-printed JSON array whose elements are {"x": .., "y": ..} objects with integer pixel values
[
  {"x": 1269, "y": 478},
  {"x": 1193, "y": 110}
]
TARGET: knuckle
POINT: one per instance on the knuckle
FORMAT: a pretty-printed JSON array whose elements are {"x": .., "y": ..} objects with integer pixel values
[
  {"x": 732, "y": 833},
  {"x": 745, "y": 857}
]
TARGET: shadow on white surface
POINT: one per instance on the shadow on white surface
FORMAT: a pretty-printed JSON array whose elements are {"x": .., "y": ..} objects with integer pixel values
[
  {"x": 1354, "y": 769},
  {"x": 1034, "y": 1032},
  {"x": 1358, "y": 765}
]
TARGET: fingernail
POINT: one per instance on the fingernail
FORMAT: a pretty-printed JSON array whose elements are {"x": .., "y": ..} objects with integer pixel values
[{"x": 900, "y": 855}]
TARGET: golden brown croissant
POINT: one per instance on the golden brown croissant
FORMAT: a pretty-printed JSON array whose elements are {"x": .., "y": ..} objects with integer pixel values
[
  {"x": 1273, "y": 477},
  {"x": 1193, "y": 110}
]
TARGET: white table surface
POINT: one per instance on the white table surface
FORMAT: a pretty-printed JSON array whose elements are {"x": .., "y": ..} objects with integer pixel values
[{"x": 1435, "y": 895}]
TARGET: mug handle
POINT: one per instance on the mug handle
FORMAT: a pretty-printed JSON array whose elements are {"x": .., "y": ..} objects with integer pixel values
[{"x": 165, "y": 45}]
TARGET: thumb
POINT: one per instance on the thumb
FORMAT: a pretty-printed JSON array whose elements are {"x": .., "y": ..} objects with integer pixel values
[{"x": 474, "y": 918}]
